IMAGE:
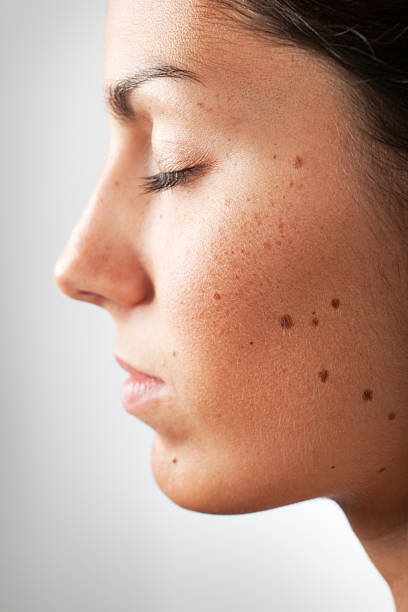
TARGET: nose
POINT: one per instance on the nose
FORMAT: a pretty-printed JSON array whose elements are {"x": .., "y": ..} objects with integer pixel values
[{"x": 102, "y": 262}]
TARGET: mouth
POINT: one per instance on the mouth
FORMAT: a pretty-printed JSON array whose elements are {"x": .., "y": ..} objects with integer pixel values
[
  {"x": 139, "y": 389},
  {"x": 137, "y": 374}
]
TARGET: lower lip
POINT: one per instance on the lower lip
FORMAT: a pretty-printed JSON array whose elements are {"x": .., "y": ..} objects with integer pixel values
[{"x": 137, "y": 391}]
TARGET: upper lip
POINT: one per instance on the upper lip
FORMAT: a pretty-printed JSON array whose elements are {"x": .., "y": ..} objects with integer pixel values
[{"x": 133, "y": 371}]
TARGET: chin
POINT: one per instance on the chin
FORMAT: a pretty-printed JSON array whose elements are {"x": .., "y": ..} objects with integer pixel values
[{"x": 198, "y": 486}]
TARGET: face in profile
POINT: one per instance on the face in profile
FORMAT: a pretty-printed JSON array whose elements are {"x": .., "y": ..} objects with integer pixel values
[{"x": 256, "y": 284}]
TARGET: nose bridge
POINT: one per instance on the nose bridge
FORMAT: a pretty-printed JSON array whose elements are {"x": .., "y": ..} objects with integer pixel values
[{"x": 101, "y": 261}]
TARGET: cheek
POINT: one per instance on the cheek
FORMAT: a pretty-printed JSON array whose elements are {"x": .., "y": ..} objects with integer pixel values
[{"x": 262, "y": 303}]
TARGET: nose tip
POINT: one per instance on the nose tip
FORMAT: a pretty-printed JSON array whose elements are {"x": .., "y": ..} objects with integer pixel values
[
  {"x": 91, "y": 274},
  {"x": 64, "y": 282}
]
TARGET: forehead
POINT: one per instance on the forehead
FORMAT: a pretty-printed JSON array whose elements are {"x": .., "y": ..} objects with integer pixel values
[
  {"x": 139, "y": 31},
  {"x": 190, "y": 34}
]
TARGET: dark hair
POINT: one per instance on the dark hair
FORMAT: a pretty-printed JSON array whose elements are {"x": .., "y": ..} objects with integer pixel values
[{"x": 367, "y": 41}]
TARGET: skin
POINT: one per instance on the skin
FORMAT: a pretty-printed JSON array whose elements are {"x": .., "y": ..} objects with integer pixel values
[{"x": 224, "y": 288}]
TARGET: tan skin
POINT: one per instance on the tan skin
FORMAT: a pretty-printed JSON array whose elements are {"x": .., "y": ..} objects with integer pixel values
[{"x": 257, "y": 291}]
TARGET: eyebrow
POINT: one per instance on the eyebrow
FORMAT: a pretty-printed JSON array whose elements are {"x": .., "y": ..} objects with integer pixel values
[{"x": 116, "y": 94}]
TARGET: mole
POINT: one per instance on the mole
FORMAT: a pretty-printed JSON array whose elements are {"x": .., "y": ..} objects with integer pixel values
[
  {"x": 298, "y": 162},
  {"x": 251, "y": 342},
  {"x": 367, "y": 395},
  {"x": 382, "y": 469},
  {"x": 267, "y": 244},
  {"x": 335, "y": 303},
  {"x": 323, "y": 375},
  {"x": 286, "y": 321},
  {"x": 392, "y": 416},
  {"x": 217, "y": 296},
  {"x": 315, "y": 322},
  {"x": 333, "y": 467},
  {"x": 175, "y": 460},
  {"x": 174, "y": 353},
  {"x": 117, "y": 183}
]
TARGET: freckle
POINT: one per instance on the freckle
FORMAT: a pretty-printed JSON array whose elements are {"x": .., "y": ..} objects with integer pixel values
[
  {"x": 314, "y": 312},
  {"x": 229, "y": 99},
  {"x": 275, "y": 156},
  {"x": 174, "y": 353},
  {"x": 286, "y": 321},
  {"x": 175, "y": 460},
  {"x": 236, "y": 277},
  {"x": 161, "y": 216},
  {"x": 217, "y": 296},
  {"x": 200, "y": 104},
  {"x": 258, "y": 219},
  {"x": 248, "y": 199},
  {"x": 368, "y": 395},
  {"x": 278, "y": 242},
  {"x": 291, "y": 184},
  {"x": 117, "y": 183},
  {"x": 298, "y": 162},
  {"x": 232, "y": 251},
  {"x": 323, "y": 375},
  {"x": 392, "y": 416},
  {"x": 300, "y": 186},
  {"x": 315, "y": 322},
  {"x": 335, "y": 303},
  {"x": 242, "y": 250},
  {"x": 382, "y": 469},
  {"x": 267, "y": 244},
  {"x": 333, "y": 467}
]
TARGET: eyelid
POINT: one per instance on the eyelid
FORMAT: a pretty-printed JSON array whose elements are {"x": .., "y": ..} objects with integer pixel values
[{"x": 167, "y": 180}]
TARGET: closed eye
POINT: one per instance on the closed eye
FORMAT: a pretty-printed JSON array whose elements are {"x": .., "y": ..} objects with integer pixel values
[{"x": 167, "y": 180}]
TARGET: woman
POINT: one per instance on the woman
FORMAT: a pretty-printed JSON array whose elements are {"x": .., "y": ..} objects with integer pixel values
[{"x": 248, "y": 236}]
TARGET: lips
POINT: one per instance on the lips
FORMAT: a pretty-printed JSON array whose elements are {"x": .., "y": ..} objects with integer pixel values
[
  {"x": 142, "y": 377},
  {"x": 139, "y": 389}
]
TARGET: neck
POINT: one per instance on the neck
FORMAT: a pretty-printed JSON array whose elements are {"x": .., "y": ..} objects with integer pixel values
[{"x": 385, "y": 540}]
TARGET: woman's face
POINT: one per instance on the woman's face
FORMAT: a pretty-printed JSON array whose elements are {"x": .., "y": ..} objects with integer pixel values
[{"x": 259, "y": 290}]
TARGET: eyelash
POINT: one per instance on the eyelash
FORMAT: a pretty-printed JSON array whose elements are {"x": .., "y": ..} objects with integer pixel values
[{"x": 167, "y": 180}]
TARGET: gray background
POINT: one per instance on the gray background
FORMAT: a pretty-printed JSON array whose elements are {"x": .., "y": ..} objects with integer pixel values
[{"x": 83, "y": 525}]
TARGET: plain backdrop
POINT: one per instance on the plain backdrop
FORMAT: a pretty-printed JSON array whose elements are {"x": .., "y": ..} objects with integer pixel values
[{"x": 83, "y": 525}]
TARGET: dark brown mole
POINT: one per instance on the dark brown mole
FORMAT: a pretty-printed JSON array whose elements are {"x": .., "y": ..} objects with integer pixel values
[
  {"x": 392, "y": 416},
  {"x": 217, "y": 296},
  {"x": 298, "y": 162},
  {"x": 174, "y": 353},
  {"x": 335, "y": 303},
  {"x": 367, "y": 394},
  {"x": 275, "y": 156},
  {"x": 382, "y": 469},
  {"x": 315, "y": 322},
  {"x": 250, "y": 342},
  {"x": 286, "y": 321},
  {"x": 175, "y": 460},
  {"x": 323, "y": 375},
  {"x": 333, "y": 467}
]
